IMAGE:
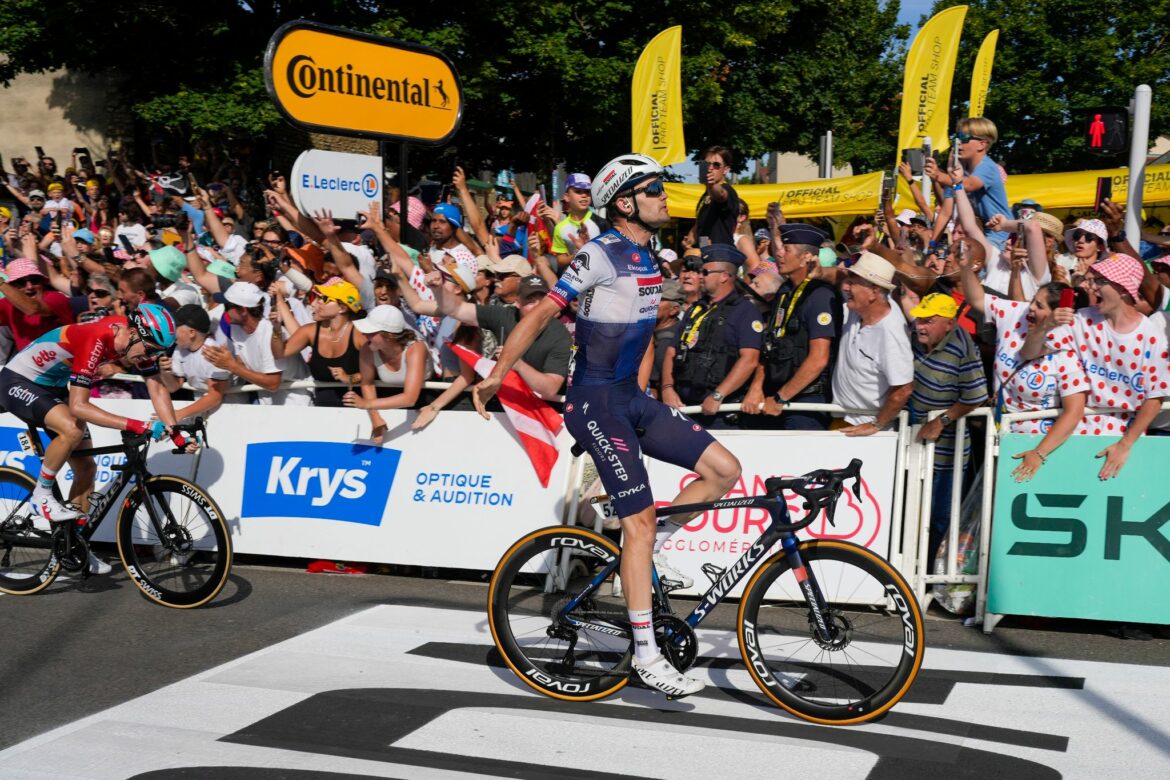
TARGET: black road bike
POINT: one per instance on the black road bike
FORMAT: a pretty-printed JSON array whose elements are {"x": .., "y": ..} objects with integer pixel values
[
  {"x": 828, "y": 630},
  {"x": 172, "y": 537}
]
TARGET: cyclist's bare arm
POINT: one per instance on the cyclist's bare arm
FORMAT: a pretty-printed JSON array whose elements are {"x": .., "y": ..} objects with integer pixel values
[
  {"x": 83, "y": 409},
  {"x": 160, "y": 397}
]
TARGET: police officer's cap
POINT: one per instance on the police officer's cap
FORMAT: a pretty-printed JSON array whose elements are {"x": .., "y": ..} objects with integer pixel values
[
  {"x": 723, "y": 253},
  {"x": 799, "y": 233}
]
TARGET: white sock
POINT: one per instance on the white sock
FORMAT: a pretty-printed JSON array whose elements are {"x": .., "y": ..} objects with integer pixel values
[
  {"x": 665, "y": 530},
  {"x": 642, "y": 623}
]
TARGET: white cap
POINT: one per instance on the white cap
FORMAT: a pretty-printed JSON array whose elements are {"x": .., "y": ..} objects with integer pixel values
[
  {"x": 244, "y": 294},
  {"x": 385, "y": 318},
  {"x": 905, "y": 215}
]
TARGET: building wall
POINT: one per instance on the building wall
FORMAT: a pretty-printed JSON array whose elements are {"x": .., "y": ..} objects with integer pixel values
[{"x": 59, "y": 111}]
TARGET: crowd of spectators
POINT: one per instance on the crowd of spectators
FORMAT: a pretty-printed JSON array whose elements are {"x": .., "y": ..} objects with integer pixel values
[{"x": 960, "y": 301}]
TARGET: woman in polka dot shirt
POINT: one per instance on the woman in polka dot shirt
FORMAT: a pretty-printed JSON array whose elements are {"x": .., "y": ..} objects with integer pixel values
[
  {"x": 1053, "y": 380},
  {"x": 1123, "y": 353}
]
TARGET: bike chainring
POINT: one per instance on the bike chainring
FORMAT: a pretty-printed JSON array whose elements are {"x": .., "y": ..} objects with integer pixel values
[
  {"x": 77, "y": 559},
  {"x": 677, "y": 641}
]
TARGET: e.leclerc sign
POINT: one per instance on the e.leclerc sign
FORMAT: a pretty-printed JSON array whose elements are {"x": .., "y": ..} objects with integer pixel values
[
  {"x": 339, "y": 81},
  {"x": 342, "y": 183}
]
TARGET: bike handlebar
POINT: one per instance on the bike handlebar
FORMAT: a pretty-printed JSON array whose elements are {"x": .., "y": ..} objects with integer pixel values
[
  {"x": 820, "y": 489},
  {"x": 198, "y": 429}
]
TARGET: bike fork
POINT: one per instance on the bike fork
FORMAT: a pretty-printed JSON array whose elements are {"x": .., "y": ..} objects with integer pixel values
[{"x": 811, "y": 589}]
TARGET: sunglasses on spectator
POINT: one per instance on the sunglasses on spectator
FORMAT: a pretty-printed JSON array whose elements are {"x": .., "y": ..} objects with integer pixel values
[
  {"x": 716, "y": 165},
  {"x": 100, "y": 293},
  {"x": 1083, "y": 235},
  {"x": 709, "y": 271},
  {"x": 654, "y": 189},
  {"x": 965, "y": 137}
]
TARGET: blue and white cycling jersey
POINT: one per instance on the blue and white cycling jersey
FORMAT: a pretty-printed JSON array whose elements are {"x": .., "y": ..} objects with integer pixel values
[{"x": 620, "y": 286}]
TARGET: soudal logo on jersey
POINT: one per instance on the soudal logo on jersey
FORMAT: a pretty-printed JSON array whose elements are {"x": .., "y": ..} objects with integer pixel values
[
  {"x": 318, "y": 480},
  {"x": 649, "y": 285}
]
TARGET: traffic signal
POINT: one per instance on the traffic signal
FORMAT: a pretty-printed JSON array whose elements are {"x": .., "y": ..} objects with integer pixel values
[{"x": 1106, "y": 130}]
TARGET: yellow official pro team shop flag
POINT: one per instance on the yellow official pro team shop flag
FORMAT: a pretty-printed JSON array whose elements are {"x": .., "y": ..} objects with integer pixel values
[
  {"x": 981, "y": 75},
  {"x": 926, "y": 86},
  {"x": 656, "y": 99}
]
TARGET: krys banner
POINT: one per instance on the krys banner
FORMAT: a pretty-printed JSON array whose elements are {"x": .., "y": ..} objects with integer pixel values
[{"x": 345, "y": 82}]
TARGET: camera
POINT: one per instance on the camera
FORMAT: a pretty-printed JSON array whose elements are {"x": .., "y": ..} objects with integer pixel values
[{"x": 178, "y": 221}]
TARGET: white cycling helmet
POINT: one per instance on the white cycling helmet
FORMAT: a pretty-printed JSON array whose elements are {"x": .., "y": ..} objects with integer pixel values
[{"x": 621, "y": 174}]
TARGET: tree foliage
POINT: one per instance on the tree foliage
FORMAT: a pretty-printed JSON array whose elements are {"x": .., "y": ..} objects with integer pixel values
[
  {"x": 545, "y": 81},
  {"x": 1056, "y": 58}
]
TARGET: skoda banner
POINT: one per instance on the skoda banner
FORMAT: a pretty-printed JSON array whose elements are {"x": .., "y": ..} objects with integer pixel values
[
  {"x": 1067, "y": 544},
  {"x": 339, "y": 81},
  {"x": 345, "y": 184}
]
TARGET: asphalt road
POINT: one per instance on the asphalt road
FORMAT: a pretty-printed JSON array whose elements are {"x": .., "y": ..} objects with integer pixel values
[{"x": 75, "y": 650}]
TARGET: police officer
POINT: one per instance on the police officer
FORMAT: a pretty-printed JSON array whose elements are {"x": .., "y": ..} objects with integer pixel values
[
  {"x": 719, "y": 344},
  {"x": 800, "y": 340}
]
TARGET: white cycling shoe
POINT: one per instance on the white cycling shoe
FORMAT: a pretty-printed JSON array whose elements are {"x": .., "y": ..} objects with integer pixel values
[
  {"x": 670, "y": 577},
  {"x": 659, "y": 674},
  {"x": 48, "y": 510},
  {"x": 98, "y": 566}
]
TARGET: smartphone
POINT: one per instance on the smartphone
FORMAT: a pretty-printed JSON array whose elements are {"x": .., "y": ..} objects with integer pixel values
[
  {"x": 915, "y": 159},
  {"x": 954, "y": 158},
  {"x": 81, "y": 150},
  {"x": 445, "y": 193},
  {"x": 194, "y": 185},
  {"x": 1104, "y": 191},
  {"x": 1068, "y": 297},
  {"x": 888, "y": 183},
  {"x": 40, "y": 152},
  {"x": 703, "y": 169},
  {"x": 126, "y": 244}
]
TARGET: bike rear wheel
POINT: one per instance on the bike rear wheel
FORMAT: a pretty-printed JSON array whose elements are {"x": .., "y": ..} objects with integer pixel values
[
  {"x": 876, "y": 652},
  {"x": 529, "y": 589},
  {"x": 27, "y": 561},
  {"x": 184, "y": 560}
]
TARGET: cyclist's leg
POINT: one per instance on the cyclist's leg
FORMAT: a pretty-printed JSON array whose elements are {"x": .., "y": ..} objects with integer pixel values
[
  {"x": 84, "y": 473},
  {"x": 673, "y": 437},
  {"x": 44, "y": 407}
]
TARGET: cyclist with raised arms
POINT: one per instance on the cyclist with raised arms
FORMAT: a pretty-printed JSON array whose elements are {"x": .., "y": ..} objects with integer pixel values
[
  {"x": 48, "y": 384},
  {"x": 619, "y": 284}
]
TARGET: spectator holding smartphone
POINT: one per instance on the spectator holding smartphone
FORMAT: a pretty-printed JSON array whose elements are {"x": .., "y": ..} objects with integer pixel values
[
  {"x": 718, "y": 209},
  {"x": 983, "y": 181}
]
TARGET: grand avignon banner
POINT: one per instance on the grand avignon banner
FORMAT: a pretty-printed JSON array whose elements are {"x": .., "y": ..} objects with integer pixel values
[
  {"x": 656, "y": 99},
  {"x": 981, "y": 74},
  {"x": 926, "y": 86}
]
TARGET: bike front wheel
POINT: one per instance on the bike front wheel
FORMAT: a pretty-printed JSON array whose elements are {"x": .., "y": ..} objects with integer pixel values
[
  {"x": 579, "y": 653},
  {"x": 177, "y": 547},
  {"x": 877, "y": 628},
  {"x": 28, "y": 563}
]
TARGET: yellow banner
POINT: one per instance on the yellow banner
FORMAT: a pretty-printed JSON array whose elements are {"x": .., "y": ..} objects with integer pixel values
[
  {"x": 349, "y": 83},
  {"x": 981, "y": 74},
  {"x": 1077, "y": 189},
  {"x": 656, "y": 99},
  {"x": 816, "y": 198},
  {"x": 926, "y": 85}
]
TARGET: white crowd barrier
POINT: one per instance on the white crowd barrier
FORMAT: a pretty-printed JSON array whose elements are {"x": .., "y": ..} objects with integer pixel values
[{"x": 307, "y": 482}]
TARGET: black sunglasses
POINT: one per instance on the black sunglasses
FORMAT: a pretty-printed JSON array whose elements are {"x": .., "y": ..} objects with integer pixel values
[
  {"x": 100, "y": 293},
  {"x": 709, "y": 271},
  {"x": 654, "y": 189},
  {"x": 1084, "y": 234}
]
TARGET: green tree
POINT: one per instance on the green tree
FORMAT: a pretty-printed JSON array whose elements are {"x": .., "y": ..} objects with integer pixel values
[
  {"x": 1056, "y": 58},
  {"x": 545, "y": 81}
]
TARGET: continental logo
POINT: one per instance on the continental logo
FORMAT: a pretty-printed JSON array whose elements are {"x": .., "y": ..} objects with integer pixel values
[{"x": 350, "y": 83}]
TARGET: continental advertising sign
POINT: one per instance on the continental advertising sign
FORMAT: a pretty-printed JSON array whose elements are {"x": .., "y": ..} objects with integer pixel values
[
  {"x": 339, "y": 81},
  {"x": 816, "y": 198},
  {"x": 1066, "y": 544}
]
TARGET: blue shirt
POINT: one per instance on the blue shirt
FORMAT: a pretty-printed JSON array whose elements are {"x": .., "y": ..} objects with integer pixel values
[{"x": 990, "y": 199}]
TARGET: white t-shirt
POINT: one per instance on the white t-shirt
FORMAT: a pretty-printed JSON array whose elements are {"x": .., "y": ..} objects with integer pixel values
[
  {"x": 1039, "y": 384},
  {"x": 998, "y": 275},
  {"x": 135, "y": 234},
  {"x": 195, "y": 369},
  {"x": 367, "y": 265},
  {"x": 870, "y": 360},
  {"x": 184, "y": 293},
  {"x": 255, "y": 349},
  {"x": 1123, "y": 369}
]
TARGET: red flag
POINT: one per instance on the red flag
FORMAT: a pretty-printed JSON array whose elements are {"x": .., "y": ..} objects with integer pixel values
[
  {"x": 536, "y": 223},
  {"x": 535, "y": 421}
]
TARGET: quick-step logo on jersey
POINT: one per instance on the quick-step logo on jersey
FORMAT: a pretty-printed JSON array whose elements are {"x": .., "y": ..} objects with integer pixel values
[{"x": 318, "y": 480}]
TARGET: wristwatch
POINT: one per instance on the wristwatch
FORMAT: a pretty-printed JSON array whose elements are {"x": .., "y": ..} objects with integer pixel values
[
  {"x": 1118, "y": 236},
  {"x": 781, "y": 400},
  {"x": 945, "y": 419},
  {"x": 718, "y": 396}
]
